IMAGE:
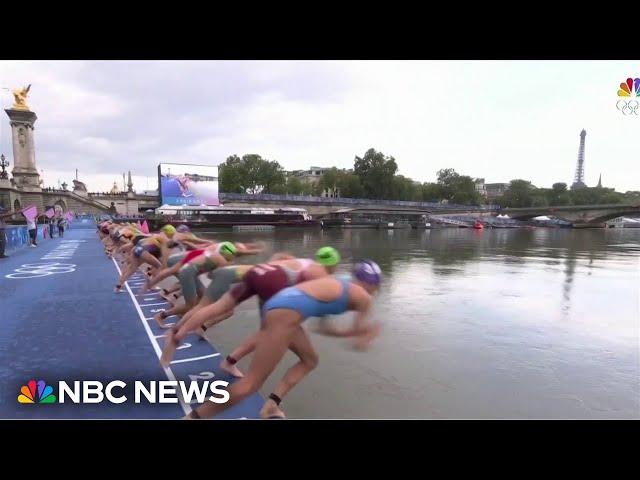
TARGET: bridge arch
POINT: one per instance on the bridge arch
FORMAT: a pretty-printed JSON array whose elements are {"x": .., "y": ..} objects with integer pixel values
[
  {"x": 576, "y": 214},
  {"x": 604, "y": 218},
  {"x": 60, "y": 206}
]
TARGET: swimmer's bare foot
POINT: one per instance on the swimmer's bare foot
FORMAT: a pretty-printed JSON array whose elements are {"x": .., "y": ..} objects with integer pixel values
[
  {"x": 271, "y": 410},
  {"x": 145, "y": 288},
  {"x": 170, "y": 347},
  {"x": 201, "y": 333},
  {"x": 170, "y": 298},
  {"x": 160, "y": 318},
  {"x": 231, "y": 369}
]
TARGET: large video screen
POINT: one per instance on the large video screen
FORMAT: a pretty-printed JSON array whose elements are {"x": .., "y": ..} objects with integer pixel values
[{"x": 188, "y": 184}]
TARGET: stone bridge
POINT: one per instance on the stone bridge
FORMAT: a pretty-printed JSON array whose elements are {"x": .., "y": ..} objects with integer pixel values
[
  {"x": 320, "y": 207},
  {"x": 578, "y": 215},
  {"x": 66, "y": 200}
]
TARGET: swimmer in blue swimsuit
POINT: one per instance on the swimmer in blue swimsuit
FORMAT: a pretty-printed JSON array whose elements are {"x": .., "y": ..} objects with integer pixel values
[{"x": 284, "y": 314}]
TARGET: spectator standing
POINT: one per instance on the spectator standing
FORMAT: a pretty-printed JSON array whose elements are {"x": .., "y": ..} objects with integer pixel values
[
  {"x": 32, "y": 226},
  {"x": 51, "y": 223},
  {"x": 61, "y": 224},
  {"x": 3, "y": 239}
]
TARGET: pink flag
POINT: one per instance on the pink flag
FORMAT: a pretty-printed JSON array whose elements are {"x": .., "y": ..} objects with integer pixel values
[
  {"x": 30, "y": 212},
  {"x": 145, "y": 227},
  {"x": 50, "y": 213},
  {"x": 139, "y": 226}
]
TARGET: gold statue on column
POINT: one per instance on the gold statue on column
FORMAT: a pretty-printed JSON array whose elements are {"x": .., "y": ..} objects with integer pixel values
[{"x": 20, "y": 98}]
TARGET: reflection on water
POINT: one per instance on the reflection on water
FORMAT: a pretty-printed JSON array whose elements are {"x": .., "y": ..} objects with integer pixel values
[{"x": 538, "y": 323}]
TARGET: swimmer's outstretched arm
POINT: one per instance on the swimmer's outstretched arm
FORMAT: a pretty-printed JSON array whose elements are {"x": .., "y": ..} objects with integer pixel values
[
  {"x": 250, "y": 248},
  {"x": 196, "y": 242},
  {"x": 364, "y": 331},
  {"x": 281, "y": 256},
  {"x": 164, "y": 254},
  {"x": 354, "y": 331},
  {"x": 164, "y": 273}
]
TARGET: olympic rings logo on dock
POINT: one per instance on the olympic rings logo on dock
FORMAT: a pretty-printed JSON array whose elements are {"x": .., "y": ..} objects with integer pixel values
[{"x": 35, "y": 270}]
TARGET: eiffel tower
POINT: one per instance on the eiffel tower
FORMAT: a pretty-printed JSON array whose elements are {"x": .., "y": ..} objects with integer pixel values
[{"x": 578, "y": 181}]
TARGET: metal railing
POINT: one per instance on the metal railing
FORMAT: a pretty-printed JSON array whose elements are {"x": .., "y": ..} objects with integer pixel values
[{"x": 267, "y": 197}]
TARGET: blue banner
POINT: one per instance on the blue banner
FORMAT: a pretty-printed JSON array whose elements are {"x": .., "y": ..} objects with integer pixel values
[{"x": 18, "y": 237}]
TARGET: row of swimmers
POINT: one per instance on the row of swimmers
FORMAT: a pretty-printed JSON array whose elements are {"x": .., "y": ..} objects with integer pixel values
[{"x": 289, "y": 291}]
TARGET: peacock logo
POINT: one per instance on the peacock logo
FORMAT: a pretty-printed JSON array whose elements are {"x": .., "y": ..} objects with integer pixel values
[
  {"x": 36, "y": 392},
  {"x": 630, "y": 88}
]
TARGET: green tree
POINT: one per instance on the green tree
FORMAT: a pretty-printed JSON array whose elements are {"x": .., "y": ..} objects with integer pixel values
[
  {"x": 310, "y": 188},
  {"x": 403, "y": 188},
  {"x": 376, "y": 173},
  {"x": 432, "y": 192},
  {"x": 251, "y": 174},
  {"x": 294, "y": 186},
  {"x": 278, "y": 189},
  {"x": 540, "y": 198},
  {"x": 558, "y": 195},
  {"x": 596, "y": 196},
  {"x": 457, "y": 188},
  {"x": 329, "y": 180},
  {"x": 519, "y": 194},
  {"x": 229, "y": 175},
  {"x": 611, "y": 198},
  {"x": 447, "y": 178},
  {"x": 464, "y": 191},
  {"x": 350, "y": 186}
]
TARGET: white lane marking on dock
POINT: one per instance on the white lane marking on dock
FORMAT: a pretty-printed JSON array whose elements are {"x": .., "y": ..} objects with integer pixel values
[
  {"x": 151, "y": 304},
  {"x": 195, "y": 358},
  {"x": 185, "y": 408}
]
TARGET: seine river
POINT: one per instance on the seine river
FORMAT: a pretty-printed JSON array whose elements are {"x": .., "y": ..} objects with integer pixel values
[{"x": 540, "y": 323}]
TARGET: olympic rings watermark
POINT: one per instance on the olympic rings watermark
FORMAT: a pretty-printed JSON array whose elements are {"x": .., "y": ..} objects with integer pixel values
[
  {"x": 628, "y": 107},
  {"x": 36, "y": 270}
]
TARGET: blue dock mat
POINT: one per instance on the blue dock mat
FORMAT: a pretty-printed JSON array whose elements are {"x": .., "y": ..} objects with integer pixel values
[{"x": 61, "y": 321}]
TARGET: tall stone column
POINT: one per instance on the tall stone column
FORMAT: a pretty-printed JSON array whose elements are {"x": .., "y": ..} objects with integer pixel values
[{"x": 25, "y": 173}]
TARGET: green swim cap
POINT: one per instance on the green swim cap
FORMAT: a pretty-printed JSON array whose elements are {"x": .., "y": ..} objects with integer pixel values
[
  {"x": 169, "y": 229},
  {"x": 227, "y": 248},
  {"x": 328, "y": 256}
]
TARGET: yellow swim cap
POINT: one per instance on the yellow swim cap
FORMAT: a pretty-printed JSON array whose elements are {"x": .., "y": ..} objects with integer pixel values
[{"x": 168, "y": 229}]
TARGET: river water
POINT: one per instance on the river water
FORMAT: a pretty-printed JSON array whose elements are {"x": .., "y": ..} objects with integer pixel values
[{"x": 540, "y": 323}]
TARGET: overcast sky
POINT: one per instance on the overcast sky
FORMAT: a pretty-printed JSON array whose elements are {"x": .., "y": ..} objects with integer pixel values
[{"x": 494, "y": 119}]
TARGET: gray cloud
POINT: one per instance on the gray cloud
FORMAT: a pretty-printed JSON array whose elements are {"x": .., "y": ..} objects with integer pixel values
[
  {"x": 497, "y": 120},
  {"x": 108, "y": 117}
]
